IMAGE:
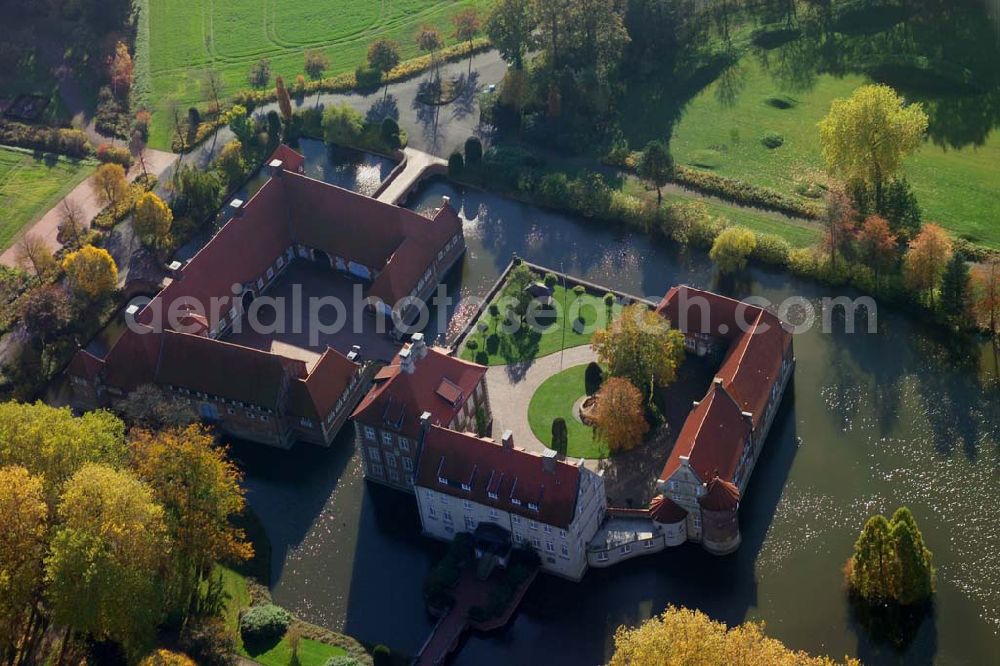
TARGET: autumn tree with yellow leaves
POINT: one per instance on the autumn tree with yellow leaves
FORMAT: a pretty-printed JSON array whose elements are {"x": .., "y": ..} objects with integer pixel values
[
  {"x": 197, "y": 484},
  {"x": 926, "y": 259},
  {"x": 640, "y": 346},
  {"x": 91, "y": 272},
  {"x": 152, "y": 219},
  {"x": 682, "y": 637}
]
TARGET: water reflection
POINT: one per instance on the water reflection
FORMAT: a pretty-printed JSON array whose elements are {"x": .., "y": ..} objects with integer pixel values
[{"x": 870, "y": 423}]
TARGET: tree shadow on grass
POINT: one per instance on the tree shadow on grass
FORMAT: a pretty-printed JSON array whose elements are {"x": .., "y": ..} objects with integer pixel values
[{"x": 259, "y": 645}]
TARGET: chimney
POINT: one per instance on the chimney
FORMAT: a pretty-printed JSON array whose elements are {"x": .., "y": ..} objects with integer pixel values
[
  {"x": 549, "y": 461},
  {"x": 445, "y": 201},
  {"x": 236, "y": 207},
  {"x": 174, "y": 269},
  {"x": 507, "y": 439},
  {"x": 717, "y": 381},
  {"x": 406, "y": 360},
  {"x": 418, "y": 348},
  {"x": 685, "y": 461},
  {"x": 277, "y": 168},
  {"x": 425, "y": 421},
  {"x": 355, "y": 354}
]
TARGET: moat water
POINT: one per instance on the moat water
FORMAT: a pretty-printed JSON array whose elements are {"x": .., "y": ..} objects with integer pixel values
[{"x": 871, "y": 422}]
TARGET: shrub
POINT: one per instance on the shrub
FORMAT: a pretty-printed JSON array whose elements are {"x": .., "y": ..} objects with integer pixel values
[
  {"x": 209, "y": 642},
  {"x": 609, "y": 299},
  {"x": 106, "y": 153},
  {"x": 382, "y": 655},
  {"x": 69, "y": 142},
  {"x": 260, "y": 73},
  {"x": 456, "y": 164},
  {"x": 772, "y": 140},
  {"x": 483, "y": 358},
  {"x": 264, "y": 622},
  {"x": 473, "y": 151},
  {"x": 593, "y": 377},
  {"x": 390, "y": 133},
  {"x": 472, "y": 345},
  {"x": 551, "y": 280},
  {"x": 367, "y": 78},
  {"x": 342, "y": 660},
  {"x": 579, "y": 290},
  {"x": 771, "y": 249},
  {"x": 745, "y": 193}
]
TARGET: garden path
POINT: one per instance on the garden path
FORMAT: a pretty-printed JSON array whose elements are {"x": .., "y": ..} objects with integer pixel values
[
  {"x": 84, "y": 197},
  {"x": 511, "y": 388}
]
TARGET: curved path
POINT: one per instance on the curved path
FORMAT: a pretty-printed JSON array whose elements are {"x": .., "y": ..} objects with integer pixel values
[{"x": 511, "y": 388}]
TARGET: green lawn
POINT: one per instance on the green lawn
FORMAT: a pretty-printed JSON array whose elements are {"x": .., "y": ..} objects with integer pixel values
[
  {"x": 529, "y": 342},
  {"x": 31, "y": 184},
  {"x": 311, "y": 653},
  {"x": 556, "y": 397},
  {"x": 799, "y": 233},
  {"x": 957, "y": 188},
  {"x": 181, "y": 40}
]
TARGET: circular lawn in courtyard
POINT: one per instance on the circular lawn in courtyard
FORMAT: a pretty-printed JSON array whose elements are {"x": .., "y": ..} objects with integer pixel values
[{"x": 560, "y": 396}]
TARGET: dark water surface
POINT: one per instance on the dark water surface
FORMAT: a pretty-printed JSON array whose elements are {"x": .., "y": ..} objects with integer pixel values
[{"x": 871, "y": 422}]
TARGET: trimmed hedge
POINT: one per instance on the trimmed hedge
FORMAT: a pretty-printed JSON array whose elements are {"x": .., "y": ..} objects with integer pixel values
[
  {"x": 263, "y": 622},
  {"x": 744, "y": 193},
  {"x": 71, "y": 142}
]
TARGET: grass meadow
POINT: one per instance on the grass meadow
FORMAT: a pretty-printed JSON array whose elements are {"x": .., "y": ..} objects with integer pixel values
[
  {"x": 956, "y": 187},
  {"x": 30, "y": 184},
  {"x": 180, "y": 40}
]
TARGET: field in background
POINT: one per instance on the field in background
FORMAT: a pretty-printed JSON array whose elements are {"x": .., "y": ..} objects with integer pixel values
[
  {"x": 30, "y": 184},
  {"x": 957, "y": 188},
  {"x": 180, "y": 40}
]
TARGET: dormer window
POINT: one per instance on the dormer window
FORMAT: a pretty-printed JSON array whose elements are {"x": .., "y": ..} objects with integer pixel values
[
  {"x": 466, "y": 487},
  {"x": 515, "y": 501},
  {"x": 533, "y": 506},
  {"x": 492, "y": 495},
  {"x": 443, "y": 481}
]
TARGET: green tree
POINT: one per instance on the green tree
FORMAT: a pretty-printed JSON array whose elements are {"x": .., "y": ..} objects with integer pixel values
[
  {"x": 657, "y": 166},
  {"x": 52, "y": 443},
  {"x": 732, "y": 248},
  {"x": 152, "y": 219},
  {"x": 200, "y": 191},
  {"x": 242, "y": 125},
  {"x": 867, "y": 136},
  {"x": 105, "y": 560},
  {"x": 520, "y": 277},
  {"x": 199, "y": 487},
  {"x": 640, "y": 346},
  {"x": 316, "y": 63},
  {"x": 230, "y": 163},
  {"x": 914, "y": 572},
  {"x": 871, "y": 568},
  {"x": 509, "y": 27},
  {"x": 342, "y": 125},
  {"x": 383, "y": 56},
  {"x": 560, "y": 435},
  {"x": 473, "y": 151},
  {"x": 956, "y": 289},
  {"x": 23, "y": 524}
]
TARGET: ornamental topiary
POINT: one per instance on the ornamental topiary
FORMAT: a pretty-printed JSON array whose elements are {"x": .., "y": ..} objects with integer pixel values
[
  {"x": 772, "y": 140},
  {"x": 263, "y": 622}
]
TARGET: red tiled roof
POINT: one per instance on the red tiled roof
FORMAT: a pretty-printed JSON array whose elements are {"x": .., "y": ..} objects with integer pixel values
[
  {"x": 226, "y": 370},
  {"x": 754, "y": 365},
  {"x": 509, "y": 473},
  {"x": 712, "y": 437},
  {"x": 314, "y": 396},
  {"x": 133, "y": 359},
  {"x": 84, "y": 365},
  {"x": 715, "y": 431},
  {"x": 290, "y": 159},
  {"x": 666, "y": 511},
  {"x": 411, "y": 394},
  {"x": 697, "y": 311},
  {"x": 720, "y": 495}
]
